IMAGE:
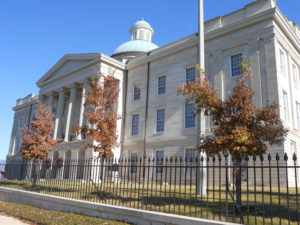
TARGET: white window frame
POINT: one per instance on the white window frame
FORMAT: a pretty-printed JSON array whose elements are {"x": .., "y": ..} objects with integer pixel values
[
  {"x": 137, "y": 127},
  {"x": 184, "y": 117},
  {"x": 231, "y": 66},
  {"x": 20, "y": 122},
  {"x": 164, "y": 120},
  {"x": 135, "y": 86},
  {"x": 283, "y": 62},
  {"x": 286, "y": 110},
  {"x": 18, "y": 145},
  {"x": 295, "y": 76},
  {"x": 298, "y": 114},
  {"x": 186, "y": 70},
  {"x": 165, "y": 84}
]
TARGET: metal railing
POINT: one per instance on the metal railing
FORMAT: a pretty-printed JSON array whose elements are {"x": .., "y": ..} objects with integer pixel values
[{"x": 255, "y": 190}]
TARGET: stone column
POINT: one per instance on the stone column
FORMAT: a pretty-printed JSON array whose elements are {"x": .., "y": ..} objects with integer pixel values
[
  {"x": 70, "y": 109},
  {"x": 42, "y": 99},
  {"x": 81, "y": 109},
  {"x": 60, "y": 108},
  {"x": 50, "y": 101}
]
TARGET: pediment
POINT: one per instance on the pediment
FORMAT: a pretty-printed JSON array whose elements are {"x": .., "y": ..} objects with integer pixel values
[{"x": 67, "y": 64}]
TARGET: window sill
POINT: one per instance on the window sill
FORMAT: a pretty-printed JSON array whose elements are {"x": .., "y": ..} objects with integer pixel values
[
  {"x": 159, "y": 133},
  {"x": 134, "y": 136},
  {"x": 190, "y": 128}
]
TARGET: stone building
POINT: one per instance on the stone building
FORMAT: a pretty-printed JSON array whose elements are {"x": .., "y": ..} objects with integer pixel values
[{"x": 156, "y": 122}]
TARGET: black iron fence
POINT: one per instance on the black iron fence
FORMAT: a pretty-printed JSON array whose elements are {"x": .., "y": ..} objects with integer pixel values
[{"x": 255, "y": 190}]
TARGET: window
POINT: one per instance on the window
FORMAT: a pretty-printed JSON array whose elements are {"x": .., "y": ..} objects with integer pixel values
[
  {"x": 160, "y": 120},
  {"x": 236, "y": 65},
  {"x": 189, "y": 115},
  {"x": 20, "y": 123},
  {"x": 161, "y": 85},
  {"x": 142, "y": 35},
  {"x": 190, "y": 154},
  {"x": 159, "y": 158},
  {"x": 135, "y": 125},
  {"x": 18, "y": 145},
  {"x": 190, "y": 75},
  {"x": 133, "y": 162},
  {"x": 147, "y": 36},
  {"x": 296, "y": 77},
  {"x": 134, "y": 35},
  {"x": 286, "y": 106},
  {"x": 298, "y": 114},
  {"x": 282, "y": 62},
  {"x": 136, "y": 93}
]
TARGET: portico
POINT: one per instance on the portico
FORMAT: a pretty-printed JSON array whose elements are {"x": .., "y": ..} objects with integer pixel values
[
  {"x": 63, "y": 89},
  {"x": 67, "y": 103}
]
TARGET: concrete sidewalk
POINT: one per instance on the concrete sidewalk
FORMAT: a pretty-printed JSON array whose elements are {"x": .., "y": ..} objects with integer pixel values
[{"x": 6, "y": 220}]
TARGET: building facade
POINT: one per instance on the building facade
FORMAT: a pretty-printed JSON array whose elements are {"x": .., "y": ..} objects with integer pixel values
[{"x": 156, "y": 122}]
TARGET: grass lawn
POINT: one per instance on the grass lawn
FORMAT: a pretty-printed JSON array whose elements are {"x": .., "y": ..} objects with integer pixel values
[
  {"x": 47, "y": 217},
  {"x": 260, "y": 205}
]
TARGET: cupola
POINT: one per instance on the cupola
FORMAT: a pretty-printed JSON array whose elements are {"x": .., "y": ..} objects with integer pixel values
[{"x": 141, "y": 41}]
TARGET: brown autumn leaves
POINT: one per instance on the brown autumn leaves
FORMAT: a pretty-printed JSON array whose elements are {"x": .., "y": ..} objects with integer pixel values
[
  {"x": 37, "y": 140},
  {"x": 239, "y": 127},
  {"x": 102, "y": 116},
  {"x": 100, "y": 104}
]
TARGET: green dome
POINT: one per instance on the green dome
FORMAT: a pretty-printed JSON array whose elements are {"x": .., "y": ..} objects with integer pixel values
[{"x": 136, "y": 46}]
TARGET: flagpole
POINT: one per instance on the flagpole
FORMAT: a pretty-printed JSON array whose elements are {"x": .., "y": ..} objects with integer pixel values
[
  {"x": 202, "y": 184},
  {"x": 201, "y": 34}
]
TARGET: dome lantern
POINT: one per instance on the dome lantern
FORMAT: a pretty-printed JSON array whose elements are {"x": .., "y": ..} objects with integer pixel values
[
  {"x": 141, "y": 30},
  {"x": 141, "y": 36}
]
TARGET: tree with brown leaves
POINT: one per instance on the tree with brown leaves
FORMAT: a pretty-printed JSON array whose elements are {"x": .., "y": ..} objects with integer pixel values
[
  {"x": 37, "y": 139},
  {"x": 239, "y": 128},
  {"x": 101, "y": 104}
]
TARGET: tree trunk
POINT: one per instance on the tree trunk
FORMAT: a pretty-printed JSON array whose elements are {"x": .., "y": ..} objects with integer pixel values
[
  {"x": 103, "y": 175},
  {"x": 34, "y": 173},
  {"x": 238, "y": 181}
]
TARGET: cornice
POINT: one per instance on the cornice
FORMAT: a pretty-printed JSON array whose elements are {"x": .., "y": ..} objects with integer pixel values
[
  {"x": 282, "y": 23},
  {"x": 24, "y": 105}
]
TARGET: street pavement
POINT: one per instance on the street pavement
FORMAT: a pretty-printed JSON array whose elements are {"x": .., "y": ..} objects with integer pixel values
[{"x": 5, "y": 220}]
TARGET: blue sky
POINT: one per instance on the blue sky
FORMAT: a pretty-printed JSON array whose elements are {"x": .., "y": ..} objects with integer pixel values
[{"x": 35, "y": 34}]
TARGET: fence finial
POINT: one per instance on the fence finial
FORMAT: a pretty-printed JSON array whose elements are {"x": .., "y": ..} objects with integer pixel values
[
  {"x": 254, "y": 158},
  {"x": 285, "y": 157},
  {"x": 295, "y": 157},
  {"x": 261, "y": 157},
  {"x": 269, "y": 157}
]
